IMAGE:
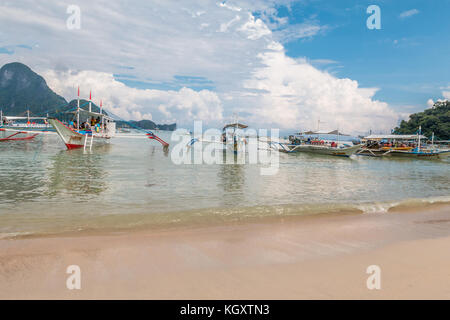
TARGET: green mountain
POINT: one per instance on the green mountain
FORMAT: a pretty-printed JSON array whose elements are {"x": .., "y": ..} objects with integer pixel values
[
  {"x": 22, "y": 89},
  {"x": 435, "y": 119},
  {"x": 146, "y": 124}
]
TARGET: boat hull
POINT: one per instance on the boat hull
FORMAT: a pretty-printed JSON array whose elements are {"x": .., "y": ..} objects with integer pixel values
[
  {"x": 324, "y": 150},
  {"x": 426, "y": 154},
  {"x": 76, "y": 140},
  {"x": 421, "y": 154}
]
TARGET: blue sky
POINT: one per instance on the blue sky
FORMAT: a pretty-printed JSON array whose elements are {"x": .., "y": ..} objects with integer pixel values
[
  {"x": 282, "y": 64},
  {"x": 408, "y": 59}
]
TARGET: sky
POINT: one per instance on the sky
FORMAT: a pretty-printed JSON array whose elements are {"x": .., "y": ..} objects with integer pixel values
[{"x": 284, "y": 64}]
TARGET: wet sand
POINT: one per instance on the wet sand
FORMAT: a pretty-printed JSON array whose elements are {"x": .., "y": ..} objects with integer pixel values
[{"x": 320, "y": 257}]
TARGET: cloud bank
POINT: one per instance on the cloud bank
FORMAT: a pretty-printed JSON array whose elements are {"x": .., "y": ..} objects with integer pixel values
[{"x": 237, "y": 47}]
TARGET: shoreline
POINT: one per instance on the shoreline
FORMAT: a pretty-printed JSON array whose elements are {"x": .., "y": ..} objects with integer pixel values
[
  {"x": 309, "y": 257},
  {"x": 203, "y": 218}
]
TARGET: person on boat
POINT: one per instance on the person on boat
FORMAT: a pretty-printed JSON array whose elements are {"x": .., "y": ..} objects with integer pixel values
[{"x": 71, "y": 124}]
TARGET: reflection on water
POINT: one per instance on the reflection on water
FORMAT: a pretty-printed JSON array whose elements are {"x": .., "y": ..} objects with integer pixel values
[
  {"x": 41, "y": 183},
  {"x": 78, "y": 173},
  {"x": 231, "y": 179},
  {"x": 20, "y": 176}
]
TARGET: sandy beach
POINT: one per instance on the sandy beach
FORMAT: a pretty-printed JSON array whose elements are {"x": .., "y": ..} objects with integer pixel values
[{"x": 318, "y": 257}]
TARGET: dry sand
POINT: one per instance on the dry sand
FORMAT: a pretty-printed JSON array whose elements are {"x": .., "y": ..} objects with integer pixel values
[{"x": 321, "y": 257}]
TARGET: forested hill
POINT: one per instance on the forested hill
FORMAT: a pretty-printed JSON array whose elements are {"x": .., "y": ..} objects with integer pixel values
[
  {"x": 22, "y": 89},
  {"x": 435, "y": 119},
  {"x": 146, "y": 124}
]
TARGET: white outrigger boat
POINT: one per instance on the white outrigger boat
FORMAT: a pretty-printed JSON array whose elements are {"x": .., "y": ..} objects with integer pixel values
[
  {"x": 406, "y": 146},
  {"x": 75, "y": 138},
  {"x": 98, "y": 128},
  {"x": 232, "y": 137},
  {"x": 28, "y": 122},
  {"x": 313, "y": 144},
  {"x": 20, "y": 131},
  {"x": 95, "y": 128}
]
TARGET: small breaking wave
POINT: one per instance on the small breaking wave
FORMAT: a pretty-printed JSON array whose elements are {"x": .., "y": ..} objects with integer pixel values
[{"x": 71, "y": 223}]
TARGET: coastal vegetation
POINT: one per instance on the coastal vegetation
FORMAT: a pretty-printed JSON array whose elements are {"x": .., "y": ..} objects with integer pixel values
[{"x": 435, "y": 119}]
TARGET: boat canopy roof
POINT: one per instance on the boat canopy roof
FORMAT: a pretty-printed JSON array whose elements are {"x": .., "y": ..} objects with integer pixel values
[
  {"x": 334, "y": 132},
  {"x": 394, "y": 136},
  {"x": 23, "y": 118},
  {"x": 92, "y": 114},
  {"x": 235, "y": 125}
]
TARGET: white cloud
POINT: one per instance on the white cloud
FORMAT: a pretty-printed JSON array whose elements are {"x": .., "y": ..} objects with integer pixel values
[
  {"x": 224, "y": 26},
  {"x": 182, "y": 106},
  {"x": 408, "y": 13},
  {"x": 156, "y": 40},
  {"x": 228, "y": 6},
  {"x": 298, "y": 31},
  {"x": 323, "y": 61},
  {"x": 254, "y": 28},
  {"x": 296, "y": 95},
  {"x": 446, "y": 93}
]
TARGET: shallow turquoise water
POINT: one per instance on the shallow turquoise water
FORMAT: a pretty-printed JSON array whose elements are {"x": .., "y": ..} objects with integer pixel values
[{"x": 134, "y": 182}]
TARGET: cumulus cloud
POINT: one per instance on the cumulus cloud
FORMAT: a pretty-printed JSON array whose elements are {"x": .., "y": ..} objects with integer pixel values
[
  {"x": 254, "y": 28},
  {"x": 294, "y": 94},
  {"x": 182, "y": 106},
  {"x": 408, "y": 13},
  {"x": 158, "y": 41}
]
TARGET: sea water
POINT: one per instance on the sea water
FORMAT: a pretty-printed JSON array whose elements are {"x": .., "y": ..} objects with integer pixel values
[{"x": 134, "y": 183}]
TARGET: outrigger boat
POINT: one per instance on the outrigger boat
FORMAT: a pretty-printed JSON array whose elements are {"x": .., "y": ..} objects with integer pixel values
[
  {"x": 232, "y": 137},
  {"x": 90, "y": 128},
  {"x": 310, "y": 142},
  {"x": 20, "y": 131},
  {"x": 79, "y": 137},
  {"x": 96, "y": 127},
  {"x": 17, "y": 136},
  {"x": 31, "y": 124},
  {"x": 409, "y": 146}
]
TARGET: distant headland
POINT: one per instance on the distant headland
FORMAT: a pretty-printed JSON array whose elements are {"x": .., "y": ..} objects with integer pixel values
[{"x": 22, "y": 90}]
